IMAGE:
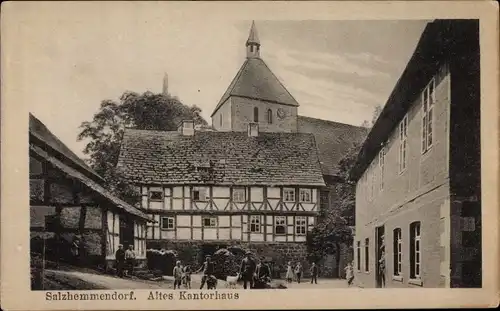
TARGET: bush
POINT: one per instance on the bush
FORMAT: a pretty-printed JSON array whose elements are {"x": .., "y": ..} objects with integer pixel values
[
  {"x": 227, "y": 261},
  {"x": 224, "y": 263},
  {"x": 161, "y": 260}
]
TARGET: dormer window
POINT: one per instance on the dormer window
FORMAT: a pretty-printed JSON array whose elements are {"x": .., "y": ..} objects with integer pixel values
[{"x": 156, "y": 195}]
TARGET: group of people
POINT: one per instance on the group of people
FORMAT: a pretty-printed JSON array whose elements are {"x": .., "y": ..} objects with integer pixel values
[
  {"x": 125, "y": 261},
  {"x": 254, "y": 274},
  {"x": 182, "y": 275},
  {"x": 295, "y": 273}
]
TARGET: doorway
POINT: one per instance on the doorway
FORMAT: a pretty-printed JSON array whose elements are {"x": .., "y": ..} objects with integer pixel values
[
  {"x": 380, "y": 264},
  {"x": 126, "y": 232}
]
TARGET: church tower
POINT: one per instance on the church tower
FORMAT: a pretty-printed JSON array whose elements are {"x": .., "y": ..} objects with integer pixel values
[
  {"x": 255, "y": 97},
  {"x": 165, "y": 84},
  {"x": 253, "y": 43}
]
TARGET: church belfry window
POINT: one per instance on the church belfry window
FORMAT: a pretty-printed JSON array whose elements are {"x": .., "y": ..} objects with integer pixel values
[
  {"x": 269, "y": 116},
  {"x": 255, "y": 114}
]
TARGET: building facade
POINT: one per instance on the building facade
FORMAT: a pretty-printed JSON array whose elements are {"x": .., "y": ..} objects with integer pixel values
[
  {"x": 68, "y": 201},
  {"x": 418, "y": 194}
]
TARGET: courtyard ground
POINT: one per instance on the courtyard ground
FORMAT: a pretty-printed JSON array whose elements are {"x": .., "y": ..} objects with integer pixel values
[{"x": 57, "y": 279}]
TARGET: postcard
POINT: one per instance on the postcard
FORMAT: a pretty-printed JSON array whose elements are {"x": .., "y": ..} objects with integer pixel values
[{"x": 249, "y": 155}]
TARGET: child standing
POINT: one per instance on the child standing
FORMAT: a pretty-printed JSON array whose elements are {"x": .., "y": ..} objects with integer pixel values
[
  {"x": 289, "y": 273},
  {"x": 177, "y": 273},
  {"x": 349, "y": 274},
  {"x": 298, "y": 271},
  {"x": 187, "y": 276}
]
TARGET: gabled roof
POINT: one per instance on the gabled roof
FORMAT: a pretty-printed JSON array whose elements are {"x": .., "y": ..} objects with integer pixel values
[
  {"x": 256, "y": 81},
  {"x": 74, "y": 174},
  {"x": 224, "y": 158},
  {"x": 40, "y": 132},
  {"x": 333, "y": 140}
]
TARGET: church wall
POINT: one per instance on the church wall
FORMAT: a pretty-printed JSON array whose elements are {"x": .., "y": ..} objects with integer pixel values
[
  {"x": 221, "y": 120},
  {"x": 243, "y": 113}
]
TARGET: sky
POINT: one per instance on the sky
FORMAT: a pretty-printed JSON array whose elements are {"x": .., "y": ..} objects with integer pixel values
[{"x": 337, "y": 70}]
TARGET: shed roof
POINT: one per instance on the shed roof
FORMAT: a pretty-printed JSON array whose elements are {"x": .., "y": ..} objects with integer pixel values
[{"x": 440, "y": 41}]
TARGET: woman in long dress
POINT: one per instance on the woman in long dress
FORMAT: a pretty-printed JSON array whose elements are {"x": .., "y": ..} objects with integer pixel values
[{"x": 289, "y": 273}]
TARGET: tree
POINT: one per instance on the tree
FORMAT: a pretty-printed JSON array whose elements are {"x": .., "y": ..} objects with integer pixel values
[
  {"x": 147, "y": 111},
  {"x": 335, "y": 222},
  {"x": 376, "y": 114}
]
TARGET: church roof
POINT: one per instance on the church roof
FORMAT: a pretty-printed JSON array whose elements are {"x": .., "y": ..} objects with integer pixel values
[
  {"x": 255, "y": 80},
  {"x": 224, "y": 158},
  {"x": 333, "y": 140}
]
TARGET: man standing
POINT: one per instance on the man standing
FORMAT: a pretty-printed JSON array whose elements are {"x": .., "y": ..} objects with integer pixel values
[
  {"x": 247, "y": 270},
  {"x": 208, "y": 271},
  {"x": 381, "y": 262},
  {"x": 262, "y": 274},
  {"x": 120, "y": 260},
  {"x": 130, "y": 260},
  {"x": 314, "y": 273}
]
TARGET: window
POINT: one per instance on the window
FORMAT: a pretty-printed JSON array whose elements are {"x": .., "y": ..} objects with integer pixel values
[
  {"x": 167, "y": 223},
  {"x": 358, "y": 256},
  {"x": 428, "y": 99},
  {"x": 403, "y": 144},
  {"x": 367, "y": 258},
  {"x": 239, "y": 195},
  {"x": 200, "y": 194},
  {"x": 210, "y": 222},
  {"x": 300, "y": 225},
  {"x": 280, "y": 225},
  {"x": 397, "y": 250},
  {"x": 255, "y": 114},
  {"x": 255, "y": 223},
  {"x": 156, "y": 195},
  {"x": 381, "y": 160},
  {"x": 415, "y": 251},
  {"x": 305, "y": 195},
  {"x": 289, "y": 194},
  {"x": 251, "y": 48},
  {"x": 269, "y": 116},
  {"x": 220, "y": 119}
]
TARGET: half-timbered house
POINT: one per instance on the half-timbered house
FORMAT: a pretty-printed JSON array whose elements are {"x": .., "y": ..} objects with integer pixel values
[{"x": 68, "y": 201}]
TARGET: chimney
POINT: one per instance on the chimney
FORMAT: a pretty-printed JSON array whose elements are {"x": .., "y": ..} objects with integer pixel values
[
  {"x": 186, "y": 128},
  {"x": 253, "y": 129}
]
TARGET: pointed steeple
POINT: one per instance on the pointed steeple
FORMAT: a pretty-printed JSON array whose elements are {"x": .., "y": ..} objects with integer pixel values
[
  {"x": 165, "y": 84},
  {"x": 253, "y": 43}
]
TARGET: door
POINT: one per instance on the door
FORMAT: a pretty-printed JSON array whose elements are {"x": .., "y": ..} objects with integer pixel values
[
  {"x": 126, "y": 232},
  {"x": 379, "y": 255}
]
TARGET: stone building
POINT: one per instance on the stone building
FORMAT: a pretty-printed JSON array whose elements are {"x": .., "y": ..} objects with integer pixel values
[
  {"x": 68, "y": 200},
  {"x": 255, "y": 180},
  {"x": 418, "y": 174}
]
